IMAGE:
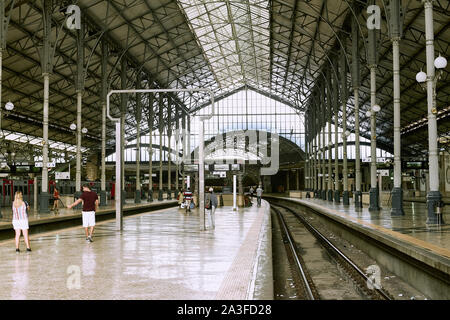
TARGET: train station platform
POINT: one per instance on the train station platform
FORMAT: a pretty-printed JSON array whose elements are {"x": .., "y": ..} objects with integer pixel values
[
  {"x": 408, "y": 235},
  {"x": 158, "y": 255},
  {"x": 68, "y": 217}
]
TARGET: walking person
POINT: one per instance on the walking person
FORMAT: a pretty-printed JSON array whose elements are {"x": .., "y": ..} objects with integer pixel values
[
  {"x": 259, "y": 192},
  {"x": 188, "y": 197},
  {"x": 90, "y": 205},
  {"x": 251, "y": 192},
  {"x": 55, "y": 200},
  {"x": 20, "y": 220},
  {"x": 212, "y": 205}
]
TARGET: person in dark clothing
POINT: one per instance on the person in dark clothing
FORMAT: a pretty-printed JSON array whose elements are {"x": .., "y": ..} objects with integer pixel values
[
  {"x": 212, "y": 205},
  {"x": 90, "y": 205}
]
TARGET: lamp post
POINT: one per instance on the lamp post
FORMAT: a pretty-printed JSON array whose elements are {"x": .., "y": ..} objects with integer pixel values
[
  {"x": 9, "y": 106},
  {"x": 434, "y": 197}
]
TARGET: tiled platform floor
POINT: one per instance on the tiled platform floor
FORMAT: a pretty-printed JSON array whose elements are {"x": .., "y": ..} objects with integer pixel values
[
  {"x": 159, "y": 255},
  {"x": 64, "y": 212}
]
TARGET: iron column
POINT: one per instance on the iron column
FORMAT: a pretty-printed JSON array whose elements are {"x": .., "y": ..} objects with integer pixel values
[
  {"x": 138, "y": 194},
  {"x": 123, "y": 111},
  {"x": 169, "y": 157},
  {"x": 337, "y": 196},
  {"x": 323, "y": 126},
  {"x": 434, "y": 197},
  {"x": 372, "y": 64},
  {"x": 150, "y": 147},
  {"x": 161, "y": 128},
  {"x": 330, "y": 142},
  {"x": 356, "y": 83},
  {"x": 395, "y": 33},
  {"x": 177, "y": 157},
  {"x": 46, "y": 69},
  {"x": 344, "y": 97},
  {"x": 104, "y": 93},
  {"x": 79, "y": 90}
]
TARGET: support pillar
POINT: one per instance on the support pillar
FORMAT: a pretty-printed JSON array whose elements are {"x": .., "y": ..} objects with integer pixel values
[
  {"x": 397, "y": 192},
  {"x": 138, "y": 194},
  {"x": 323, "y": 151},
  {"x": 79, "y": 84},
  {"x": 123, "y": 111},
  {"x": 395, "y": 31},
  {"x": 169, "y": 153},
  {"x": 47, "y": 67},
  {"x": 104, "y": 93},
  {"x": 183, "y": 145},
  {"x": 287, "y": 181},
  {"x": 337, "y": 197},
  {"x": 177, "y": 150},
  {"x": 356, "y": 81},
  {"x": 240, "y": 191},
  {"x": 372, "y": 64},
  {"x": 344, "y": 96},
  {"x": 150, "y": 147},
  {"x": 330, "y": 142},
  {"x": 35, "y": 193},
  {"x": 161, "y": 128},
  {"x": 434, "y": 197}
]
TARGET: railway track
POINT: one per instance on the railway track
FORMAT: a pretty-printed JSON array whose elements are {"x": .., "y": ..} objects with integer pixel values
[{"x": 304, "y": 280}]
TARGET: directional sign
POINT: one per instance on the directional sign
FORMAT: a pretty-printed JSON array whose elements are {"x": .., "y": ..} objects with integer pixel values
[
  {"x": 62, "y": 175},
  {"x": 49, "y": 164},
  {"x": 383, "y": 173}
]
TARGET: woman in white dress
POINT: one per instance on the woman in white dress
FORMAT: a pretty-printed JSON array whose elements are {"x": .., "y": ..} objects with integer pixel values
[{"x": 20, "y": 220}]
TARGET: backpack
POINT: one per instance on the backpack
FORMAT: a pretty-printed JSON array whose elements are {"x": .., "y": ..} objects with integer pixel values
[{"x": 26, "y": 206}]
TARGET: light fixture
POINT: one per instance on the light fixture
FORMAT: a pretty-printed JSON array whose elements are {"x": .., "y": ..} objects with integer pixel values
[
  {"x": 84, "y": 130},
  {"x": 421, "y": 77},
  {"x": 9, "y": 106},
  {"x": 376, "y": 108},
  {"x": 442, "y": 140},
  {"x": 73, "y": 126},
  {"x": 347, "y": 133},
  {"x": 440, "y": 62},
  {"x": 368, "y": 113}
]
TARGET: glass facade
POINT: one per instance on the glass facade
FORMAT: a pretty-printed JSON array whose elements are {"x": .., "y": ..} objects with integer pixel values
[{"x": 245, "y": 110}]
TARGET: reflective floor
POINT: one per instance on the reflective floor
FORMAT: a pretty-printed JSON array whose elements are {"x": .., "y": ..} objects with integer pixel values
[
  {"x": 159, "y": 255},
  {"x": 34, "y": 215}
]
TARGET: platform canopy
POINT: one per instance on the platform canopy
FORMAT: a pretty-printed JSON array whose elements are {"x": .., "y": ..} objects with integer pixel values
[{"x": 275, "y": 47}]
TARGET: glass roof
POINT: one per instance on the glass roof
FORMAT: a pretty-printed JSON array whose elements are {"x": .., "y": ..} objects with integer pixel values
[{"x": 235, "y": 36}]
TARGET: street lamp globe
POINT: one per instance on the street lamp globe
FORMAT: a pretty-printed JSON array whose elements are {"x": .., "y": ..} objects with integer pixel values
[
  {"x": 84, "y": 130},
  {"x": 9, "y": 106},
  {"x": 440, "y": 62},
  {"x": 421, "y": 77},
  {"x": 376, "y": 108},
  {"x": 73, "y": 126},
  {"x": 368, "y": 113}
]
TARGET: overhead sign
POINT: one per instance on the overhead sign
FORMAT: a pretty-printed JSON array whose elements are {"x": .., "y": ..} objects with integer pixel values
[
  {"x": 221, "y": 174},
  {"x": 190, "y": 167},
  {"x": 49, "y": 164},
  {"x": 62, "y": 175},
  {"x": 383, "y": 160},
  {"x": 383, "y": 173},
  {"x": 221, "y": 167},
  {"x": 235, "y": 167}
]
